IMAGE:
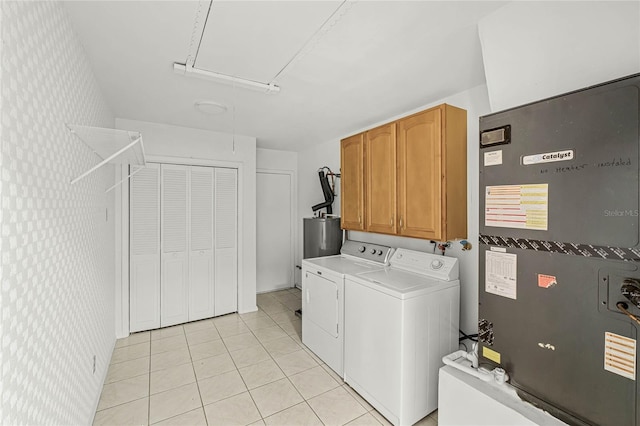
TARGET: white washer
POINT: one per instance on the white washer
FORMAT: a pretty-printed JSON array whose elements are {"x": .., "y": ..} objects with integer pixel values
[
  {"x": 323, "y": 297},
  {"x": 399, "y": 323}
]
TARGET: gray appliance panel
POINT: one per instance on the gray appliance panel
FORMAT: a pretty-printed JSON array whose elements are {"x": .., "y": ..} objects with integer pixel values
[
  {"x": 572, "y": 317},
  {"x": 593, "y": 199},
  {"x": 590, "y": 200}
]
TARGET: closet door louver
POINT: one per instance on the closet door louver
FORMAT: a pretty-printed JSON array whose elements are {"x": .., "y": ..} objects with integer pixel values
[
  {"x": 144, "y": 243},
  {"x": 201, "y": 289},
  {"x": 174, "y": 303},
  {"x": 226, "y": 241}
]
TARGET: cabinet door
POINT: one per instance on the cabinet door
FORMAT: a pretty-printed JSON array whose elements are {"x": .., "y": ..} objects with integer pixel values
[
  {"x": 174, "y": 303},
  {"x": 144, "y": 242},
  {"x": 352, "y": 183},
  {"x": 201, "y": 294},
  {"x": 420, "y": 175},
  {"x": 226, "y": 241},
  {"x": 380, "y": 179}
]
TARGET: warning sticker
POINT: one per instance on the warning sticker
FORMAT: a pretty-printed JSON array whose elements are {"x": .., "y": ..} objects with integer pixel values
[
  {"x": 546, "y": 281},
  {"x": 620, "y": 355},
  {"x": 491, "y": 354},
  {"x": 517, "y": 206},
  {"x": 500, "y": 274}
]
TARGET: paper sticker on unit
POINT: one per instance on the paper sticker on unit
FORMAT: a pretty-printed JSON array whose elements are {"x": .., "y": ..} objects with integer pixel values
[
  {"x": 493, "y": 158},
  {"x": 491, "y": 354},
  {"x": 548, "y": 157},
  {"x": 620, "y": 355},
  {"x": 500, "y": 274},
  {"x": 546, "y": 281},
  {"x": 517, "y": 206}
]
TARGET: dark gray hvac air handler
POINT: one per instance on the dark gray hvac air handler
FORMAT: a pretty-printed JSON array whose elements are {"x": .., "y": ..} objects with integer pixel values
[{"x": 559, "y": 251}]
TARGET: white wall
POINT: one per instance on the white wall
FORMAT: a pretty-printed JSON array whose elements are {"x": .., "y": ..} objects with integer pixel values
[
  {"x": 185, "y": 145},
  {"x": 57, "y": 258},
  {"x": 535, "y": 50},
  {"x": 309, "y": 189},
  {"x": 271, "y": 160}
]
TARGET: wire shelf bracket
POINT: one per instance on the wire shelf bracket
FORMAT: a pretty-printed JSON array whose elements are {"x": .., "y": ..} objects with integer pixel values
[{"x": 112, "y": 146}]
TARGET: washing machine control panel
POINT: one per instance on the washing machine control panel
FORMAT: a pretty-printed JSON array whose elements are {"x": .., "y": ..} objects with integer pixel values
[
  {"x": 367, "y": 251},
  {"x": 441, "y": 267}
]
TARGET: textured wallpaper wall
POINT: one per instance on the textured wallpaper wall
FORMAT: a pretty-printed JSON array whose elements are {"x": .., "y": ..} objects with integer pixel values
[{"x": 57, "y": 252}]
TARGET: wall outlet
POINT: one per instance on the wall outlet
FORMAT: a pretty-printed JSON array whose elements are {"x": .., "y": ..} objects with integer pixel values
[{"x": 94, "y": 364}]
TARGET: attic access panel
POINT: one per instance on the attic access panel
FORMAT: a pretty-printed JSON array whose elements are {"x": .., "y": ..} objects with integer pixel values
[{"x": 255, "y": 40}]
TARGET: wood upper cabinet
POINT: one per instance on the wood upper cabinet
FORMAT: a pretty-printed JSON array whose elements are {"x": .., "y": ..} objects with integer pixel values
[
  {"x": 432, "y": 174},
  {"x": 415, "y": 175},
  {"x": 380, "y": 179},
  {"x": 419, "y": 175},
  {"x": 352, "y": 183}
]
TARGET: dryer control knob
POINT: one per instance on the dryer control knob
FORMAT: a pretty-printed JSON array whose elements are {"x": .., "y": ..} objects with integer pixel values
[
  {"x": 361, "y": 249},
  {"x": 437, "y": 264},
  {"x": 379, "y": 252},
  {"x": 373, "y": 251}
]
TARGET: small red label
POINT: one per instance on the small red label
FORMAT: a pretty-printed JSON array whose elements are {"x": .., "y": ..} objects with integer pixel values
[{"x": 546, "y": 281}]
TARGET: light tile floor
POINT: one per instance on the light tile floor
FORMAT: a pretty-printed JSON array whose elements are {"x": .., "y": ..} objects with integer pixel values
[{"x": 248, "y": 369}]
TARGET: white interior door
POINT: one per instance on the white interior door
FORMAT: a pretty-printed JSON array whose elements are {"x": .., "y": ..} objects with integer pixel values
[
  {"x": 144, "y": 240},
  {"x": 275, "y": 264},
  {"x": 174, "y": 303},
  {"x": 201, "y": 290},
  {"x": 226, "y": 241}
]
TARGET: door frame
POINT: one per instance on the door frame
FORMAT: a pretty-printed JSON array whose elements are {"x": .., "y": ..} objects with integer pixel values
[
  {"x": 293, "y": 213},
  {"x": 122, "y": 282}
]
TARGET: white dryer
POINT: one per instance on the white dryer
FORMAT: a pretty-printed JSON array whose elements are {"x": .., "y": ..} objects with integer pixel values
[
  {"x": 323, "y": 297},
  {"x": 399, "y": 323}
]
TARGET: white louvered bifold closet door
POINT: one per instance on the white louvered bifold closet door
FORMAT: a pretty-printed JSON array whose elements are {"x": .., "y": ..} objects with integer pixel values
[
  {"x": 226, "y": 241},
  {"x": 144, "y": 246},
  {"x": 201, "y": 290},
  {"x": 174, "y": 302}
]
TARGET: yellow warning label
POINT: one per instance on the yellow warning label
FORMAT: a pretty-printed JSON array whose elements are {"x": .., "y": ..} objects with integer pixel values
[{"x": 491, "y": 354}]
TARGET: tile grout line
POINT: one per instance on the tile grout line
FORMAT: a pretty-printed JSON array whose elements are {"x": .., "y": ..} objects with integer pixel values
[
  {"x": 305, "y": 400},
  {"x": 237, "y": 369},
  {"x": 193, "y": 368},
  {"x": 272, "y": 359},
  {"x": 149, "y": 386},
  {"x": 283, "y": 308}
]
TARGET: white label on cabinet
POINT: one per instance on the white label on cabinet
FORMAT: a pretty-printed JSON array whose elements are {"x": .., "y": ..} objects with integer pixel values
[
  {"x": 493, "y": 158},
  {"x": 500, "y": 274},
  {"x": 548, "y": 157}
]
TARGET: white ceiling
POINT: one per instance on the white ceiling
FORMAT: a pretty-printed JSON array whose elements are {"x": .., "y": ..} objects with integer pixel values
[{"x": 340, "y": 66}]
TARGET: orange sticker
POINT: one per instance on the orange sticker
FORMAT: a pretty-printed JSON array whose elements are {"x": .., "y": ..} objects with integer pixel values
[{"x": 546, "y": 281}]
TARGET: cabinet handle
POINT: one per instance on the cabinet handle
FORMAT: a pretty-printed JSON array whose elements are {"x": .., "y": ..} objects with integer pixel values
[
  {"x": 359, "y": 219},
  {"x": 400, "y": 221},
  {"x": 391, "y": 221}
]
